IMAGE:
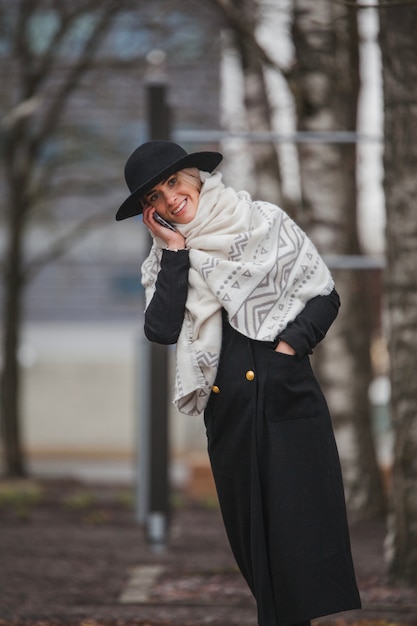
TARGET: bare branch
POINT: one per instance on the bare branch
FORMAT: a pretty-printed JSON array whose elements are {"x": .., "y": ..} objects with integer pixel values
[
  {"x": 52, "y": 115},
  {"x": 49, "y": 56},
  {"x": 62, "y": 244},
  {"x": 236, "y": 21},
  {"x": 68, "y": 14},
  {"x": 23, "y": 110},
  {"x": 21, "y": 47}
]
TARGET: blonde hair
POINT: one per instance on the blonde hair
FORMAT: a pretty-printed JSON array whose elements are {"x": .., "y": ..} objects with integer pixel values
[{"x": 190, "y": 175}]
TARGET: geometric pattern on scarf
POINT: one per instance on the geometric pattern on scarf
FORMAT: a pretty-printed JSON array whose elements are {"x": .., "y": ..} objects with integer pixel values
[{"x": 251, "y": 259}]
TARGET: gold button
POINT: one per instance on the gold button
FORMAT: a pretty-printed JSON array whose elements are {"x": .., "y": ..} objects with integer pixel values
[
  {"x": 250, "y": 375},
  {"x": 215, "y": 389}
]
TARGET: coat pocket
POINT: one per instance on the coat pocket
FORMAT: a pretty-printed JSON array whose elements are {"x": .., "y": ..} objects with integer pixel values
[{"x": 291, "y": 389}]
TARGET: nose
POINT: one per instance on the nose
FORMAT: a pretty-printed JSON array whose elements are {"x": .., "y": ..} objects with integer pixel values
[{"x": 171, "y": 197}]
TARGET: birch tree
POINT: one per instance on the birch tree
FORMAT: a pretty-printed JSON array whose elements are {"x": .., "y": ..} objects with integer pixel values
[
  {"x": 241, "y": 20},
  {"x": 326, "y": 83},
  {"x": 399, "y": 59}
]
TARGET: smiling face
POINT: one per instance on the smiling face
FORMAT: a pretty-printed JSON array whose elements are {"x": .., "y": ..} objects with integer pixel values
[{"x": 175, "y": 199}]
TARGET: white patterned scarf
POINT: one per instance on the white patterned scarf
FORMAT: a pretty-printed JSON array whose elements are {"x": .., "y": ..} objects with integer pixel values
[{"x": 247, "y": 257}]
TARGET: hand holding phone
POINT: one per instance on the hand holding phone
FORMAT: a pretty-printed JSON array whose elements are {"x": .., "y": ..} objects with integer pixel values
[
  {"x": 171, "y": 236},
  {"x": 163, "y": 222}
]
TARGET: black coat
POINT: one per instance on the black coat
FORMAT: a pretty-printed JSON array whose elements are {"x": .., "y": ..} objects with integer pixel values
[
  {"x": 274, "y": 460},
  {"x": 277, "y": 472}
]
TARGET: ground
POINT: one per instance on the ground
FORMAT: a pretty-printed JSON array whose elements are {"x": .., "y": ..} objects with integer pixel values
[{"x": 73, "y": 554}]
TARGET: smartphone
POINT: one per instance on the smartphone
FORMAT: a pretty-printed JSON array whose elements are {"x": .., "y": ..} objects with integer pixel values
[{"x": 163, "y": 222}]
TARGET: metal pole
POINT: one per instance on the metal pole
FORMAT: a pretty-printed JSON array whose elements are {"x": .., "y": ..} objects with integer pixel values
[
  {"x": 154, "y": 502},
  {"x": 142, "y": 378},
  {"x": 331, "y": 136}
]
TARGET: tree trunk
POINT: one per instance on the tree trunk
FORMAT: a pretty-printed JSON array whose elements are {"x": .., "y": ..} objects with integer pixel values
[
  {"x": 24, "y": 140},
  {"x": 12, "y": 311},
  {"x": 325, "y": 84},
  {"x": 399, "y": 57},
  {"x": 10, "y": 378},
  {"x": 267, "y": 175}
]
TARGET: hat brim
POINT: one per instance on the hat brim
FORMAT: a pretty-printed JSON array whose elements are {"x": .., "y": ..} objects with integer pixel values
[{"x": 205, "y": 161}]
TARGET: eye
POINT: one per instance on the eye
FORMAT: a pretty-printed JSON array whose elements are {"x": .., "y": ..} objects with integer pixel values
[
  {"x": 172, "y": 181},
  {"x": 153, "y": 197}
]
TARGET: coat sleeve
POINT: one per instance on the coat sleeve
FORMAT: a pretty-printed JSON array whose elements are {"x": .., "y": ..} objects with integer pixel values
[
  {"x": 311, "y": 325},
  {"x": 165, "y": 313}
]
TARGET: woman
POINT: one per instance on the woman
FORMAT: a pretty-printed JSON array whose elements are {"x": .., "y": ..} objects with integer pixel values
[{"x": 246, "y": 297}]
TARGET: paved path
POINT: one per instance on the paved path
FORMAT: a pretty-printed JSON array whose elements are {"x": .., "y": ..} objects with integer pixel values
[{"x": 78, "y": 558}]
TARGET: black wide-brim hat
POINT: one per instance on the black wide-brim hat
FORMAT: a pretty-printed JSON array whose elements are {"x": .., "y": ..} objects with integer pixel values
[{"x": 155, "y": 161}]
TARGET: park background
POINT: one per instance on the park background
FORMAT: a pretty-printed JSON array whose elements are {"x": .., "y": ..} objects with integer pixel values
[{"x": 312, "y": 106}]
